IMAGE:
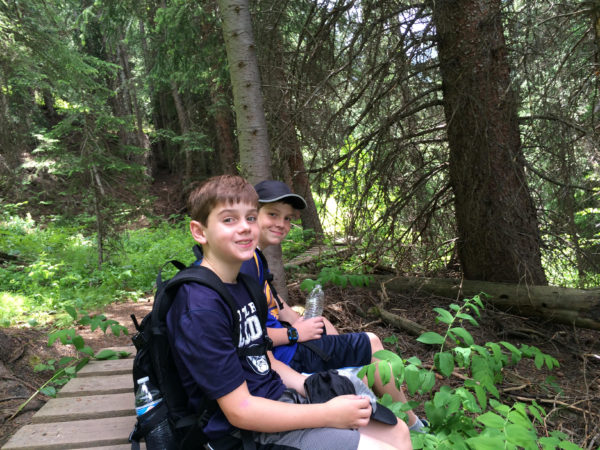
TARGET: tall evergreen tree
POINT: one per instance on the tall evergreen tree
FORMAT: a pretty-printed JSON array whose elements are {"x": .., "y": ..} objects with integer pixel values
[
  {"x": 255, "y": 156},
  {"x": 496, "y": 219}
]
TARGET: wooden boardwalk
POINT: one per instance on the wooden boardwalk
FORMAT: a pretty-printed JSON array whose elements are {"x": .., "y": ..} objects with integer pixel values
[
  {"x": 93, "y": 411},
  {"x": 96, "y": 410}
]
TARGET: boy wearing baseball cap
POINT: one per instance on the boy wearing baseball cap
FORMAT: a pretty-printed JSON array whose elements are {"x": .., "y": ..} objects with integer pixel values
[{"x": 298, "y": 342}]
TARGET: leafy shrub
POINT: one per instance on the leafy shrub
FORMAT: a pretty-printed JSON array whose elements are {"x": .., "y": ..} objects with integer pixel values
[
  {"x": 471, "y": 416},
  {"x": 297, "y": 241},
  {"x": 67, "y": 367},
  {"x": 56, "y": 266},
  {"x": 337, "y": 277}
]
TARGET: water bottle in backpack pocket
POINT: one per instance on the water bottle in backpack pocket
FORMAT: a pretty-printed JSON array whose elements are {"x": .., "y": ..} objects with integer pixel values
[{"x": 152, "y": 415}]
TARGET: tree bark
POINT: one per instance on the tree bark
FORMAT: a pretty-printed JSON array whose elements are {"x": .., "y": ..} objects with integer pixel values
[
  {"x": 287, "y": 147},
  {"x": 496, "y": 218},
  {"x": 255, "y": 155},
  {"x": 255, "y": 158},
  {"x": 129, "y": 84},
  {"x": 578, "y": 307},
  {"x": 185, "y": 129},
  {"x": 224, "y": 131},
  {"x": 223, "y": 115},
  {"x": 301, "y": 184}
]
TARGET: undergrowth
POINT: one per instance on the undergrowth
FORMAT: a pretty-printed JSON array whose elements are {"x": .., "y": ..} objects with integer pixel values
[
  {"x": 48, "y": 268},
  {"x": 65, "y": 368},
  {"x": 474, "y": 415}
]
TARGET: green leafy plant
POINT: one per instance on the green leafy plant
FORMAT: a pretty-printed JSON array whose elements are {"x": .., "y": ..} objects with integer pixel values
[
  {"x": 473, "y": 415},
  {"x": 55, "y": 264},
  {"x": 337, "y": 277},
  {"x": 67, "y": 367},
  {"x": 297, "y": 241}
]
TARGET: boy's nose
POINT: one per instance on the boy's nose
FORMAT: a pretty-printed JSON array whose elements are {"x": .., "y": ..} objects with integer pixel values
[{"x": 245, "y": 225}]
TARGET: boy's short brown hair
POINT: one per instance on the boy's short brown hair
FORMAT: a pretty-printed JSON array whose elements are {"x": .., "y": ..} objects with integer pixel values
[{"x": 227, "y": 189}]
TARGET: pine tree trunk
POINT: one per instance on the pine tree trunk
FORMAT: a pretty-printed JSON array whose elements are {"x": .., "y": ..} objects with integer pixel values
[
  {"x": 224, "y": 129},
  {"x": 278, "y": 103},
  {"x": 223, "y": 115},
  {"x": 133, "y": 98},
  {"x": 255, "y": 157},
  {"x": 496, "y": 219},
  {"x": 185, "y": 129}
]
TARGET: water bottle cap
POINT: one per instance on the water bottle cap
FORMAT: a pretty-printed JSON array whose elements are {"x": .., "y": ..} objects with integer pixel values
[{"x": 143, "y": 380}]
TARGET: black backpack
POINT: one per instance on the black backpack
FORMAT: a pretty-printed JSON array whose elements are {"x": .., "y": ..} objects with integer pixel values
[{"x": 155, "y": 360}]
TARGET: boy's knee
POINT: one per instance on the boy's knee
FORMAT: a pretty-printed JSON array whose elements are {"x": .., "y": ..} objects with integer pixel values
[{"x": 376, "y": 344}]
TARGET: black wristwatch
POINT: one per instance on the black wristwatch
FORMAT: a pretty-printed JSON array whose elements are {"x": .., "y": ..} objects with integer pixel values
[{"x": 292, "y": 335}]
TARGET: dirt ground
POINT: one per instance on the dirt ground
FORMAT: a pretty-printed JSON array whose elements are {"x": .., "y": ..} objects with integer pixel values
[{"x": 576, "y": 411}]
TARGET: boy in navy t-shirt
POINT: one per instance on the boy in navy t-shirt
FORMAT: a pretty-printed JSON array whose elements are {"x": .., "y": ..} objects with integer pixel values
[{"x": 246, "y": 388}]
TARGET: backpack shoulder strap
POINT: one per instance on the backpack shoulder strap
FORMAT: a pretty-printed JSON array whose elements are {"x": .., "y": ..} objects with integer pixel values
[
  {"x": 268, "y": 276},
  {"x": 260, "y": 301},
  {"x": 206, "y": 277},
  {"x": 257, "y": 294}
]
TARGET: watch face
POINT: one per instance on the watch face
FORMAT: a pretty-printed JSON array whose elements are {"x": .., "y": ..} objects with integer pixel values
[{"x": 292, "y": 334}]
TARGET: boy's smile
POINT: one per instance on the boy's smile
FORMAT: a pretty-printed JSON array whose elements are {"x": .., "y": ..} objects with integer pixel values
[{"x": 274, "y": 223}]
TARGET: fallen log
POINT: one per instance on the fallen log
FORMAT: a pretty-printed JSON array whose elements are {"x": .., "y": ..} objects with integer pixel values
[
  {"x": 578, "y": 307},
  {"x": 399, "y": 322}
]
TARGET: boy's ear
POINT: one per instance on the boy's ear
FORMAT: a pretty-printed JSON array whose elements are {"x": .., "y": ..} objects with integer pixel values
[{"x": 197, "y": 230}]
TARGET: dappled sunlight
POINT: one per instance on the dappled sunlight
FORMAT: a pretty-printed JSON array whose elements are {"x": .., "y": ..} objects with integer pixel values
[{"x": 20, "y": 310}]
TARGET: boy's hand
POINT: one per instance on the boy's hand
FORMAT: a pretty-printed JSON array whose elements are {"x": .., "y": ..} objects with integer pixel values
[
  {"x": 309, "y": 329},
  {"x": 349, "y": 411}
]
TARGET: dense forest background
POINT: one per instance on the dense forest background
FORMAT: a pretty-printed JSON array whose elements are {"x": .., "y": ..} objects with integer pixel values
[
  {"x": 395, "y": 124},
  {"x": 456, "y": 139}
]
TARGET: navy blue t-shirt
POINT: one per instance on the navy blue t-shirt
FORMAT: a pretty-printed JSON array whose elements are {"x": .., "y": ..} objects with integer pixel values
[{"x": 199, "y": 326}]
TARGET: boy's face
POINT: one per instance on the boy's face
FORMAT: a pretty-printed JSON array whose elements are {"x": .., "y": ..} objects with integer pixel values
[
  {"x": 274, "y": 222},
  {"x": 230, "y": 234}
]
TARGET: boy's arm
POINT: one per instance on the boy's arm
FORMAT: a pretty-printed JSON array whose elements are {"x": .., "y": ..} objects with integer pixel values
[
  {"x": 286, "y": 313},
  {"x": 308, "y": 330},
  {"x": 243, "y": 410},
  {"x": 289, "y": 376}
]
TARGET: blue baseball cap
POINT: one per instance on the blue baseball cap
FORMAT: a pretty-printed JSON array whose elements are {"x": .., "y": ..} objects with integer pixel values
[{"x": 270, "y": 191}]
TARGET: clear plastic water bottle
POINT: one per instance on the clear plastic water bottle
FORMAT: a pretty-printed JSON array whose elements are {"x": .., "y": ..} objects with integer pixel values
[
  {"x": 147, "y": 398},
  {"x": 314, "y": 303}
]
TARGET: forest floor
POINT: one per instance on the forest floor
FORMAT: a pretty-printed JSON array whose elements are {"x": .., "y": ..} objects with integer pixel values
[{"x": 572, "y": 397}]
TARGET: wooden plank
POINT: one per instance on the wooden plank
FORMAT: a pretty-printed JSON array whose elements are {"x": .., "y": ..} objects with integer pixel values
[
  {"x": 126, "y": 348},
  {"x": 83, "y": 408},
  {"x": 70, "y": 435},
  {"x": 114, "y": 447},
  {"x": 109, "y": 384},
  {"x": 107, "y": 367},
  {"x": 93, "y": 411}
]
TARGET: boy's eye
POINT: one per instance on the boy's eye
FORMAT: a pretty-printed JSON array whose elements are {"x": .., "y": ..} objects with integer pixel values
[
  {"x": 228, "y": 220},
  {"x": 251, "y": 219},
  {"x": 272, "y": 214},
  {"x": 288, "y": 219}
]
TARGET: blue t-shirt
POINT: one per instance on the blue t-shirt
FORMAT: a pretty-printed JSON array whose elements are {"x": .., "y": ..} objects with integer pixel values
[
  {"x": 199, "y": 327},
  {"x": 254, "y": 267}
]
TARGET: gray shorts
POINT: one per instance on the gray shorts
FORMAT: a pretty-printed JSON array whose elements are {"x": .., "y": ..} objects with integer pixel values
[{"x": 309, "y": 438}]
